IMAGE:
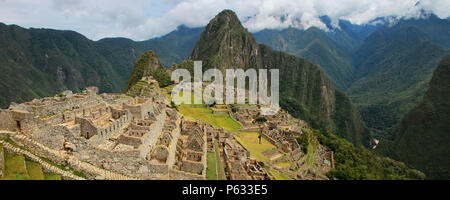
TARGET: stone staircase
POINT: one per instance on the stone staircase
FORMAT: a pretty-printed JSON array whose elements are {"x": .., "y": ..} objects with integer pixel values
[
  {"x": 108, "y": 175},
  {"x": 74, "y": 162}
]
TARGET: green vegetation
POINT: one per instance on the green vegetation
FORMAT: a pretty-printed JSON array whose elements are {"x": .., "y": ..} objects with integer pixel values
[
  {"x": 146, "y": 65},
  {"x": 357, "y": 163},
  {"x": 34, "y": 170},
  {"x": 306, "y": 90},
  {"x": 423, "y": 136},
  {"x": 68, "y": 169},
  {"x": 309, "y": 145},
  {"x": 162, "y": 76},
  {"x": 211, "y": 166},
  {"x": 279, "y": 176},
  {"x": 314, "y": 45},
  {"x": 250, "y": 141},
  {"x": 51, "y": 176},
  {"x": 394, "y": 66},
  {"x": 15, "y": 167},
  {"x": 47, "y": 116},
  {"x": 220, "y": 168},
  {"x": 54, "y": 60}
]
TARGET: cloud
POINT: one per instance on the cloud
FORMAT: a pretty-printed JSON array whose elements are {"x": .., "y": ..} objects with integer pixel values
[{"x": 143, "y": 19}]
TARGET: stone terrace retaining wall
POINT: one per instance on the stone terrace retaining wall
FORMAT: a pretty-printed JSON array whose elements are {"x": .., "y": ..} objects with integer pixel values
[
  {"x": 46, "y": 166},
  {"x": 180, "y": 175},
  {"x": 2, "y": 161}
]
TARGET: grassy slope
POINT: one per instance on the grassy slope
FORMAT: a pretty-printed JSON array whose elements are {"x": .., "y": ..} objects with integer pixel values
[
  {"x": 34, "y": 170},
  {"x": 394, "y": 66},
  {"x": 211, "y": 169},
  {"x": 51, "y": 176},
  {"x": 15, "y": 167}
]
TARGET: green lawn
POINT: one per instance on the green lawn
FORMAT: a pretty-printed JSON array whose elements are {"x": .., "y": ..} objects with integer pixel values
[
  {"x": 51, "y": 176},
  {"x": 34, "y": 171},
  {"x": 211, "y": 170},
  {"x": 250, "y": 141},
  {"x": 14, "y": 167},
  {"x": 202, "y": 112}
]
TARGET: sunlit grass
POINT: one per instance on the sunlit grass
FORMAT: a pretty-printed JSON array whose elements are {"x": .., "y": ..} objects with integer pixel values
[
  {"x": 280, "y": 176},
  {"x": 251, "y": 142},
  {"x": 35, "y": 171},
  {"x": 211, "y": 169},
  {"x": 51, "y": 176},
  {"x": 248, "y": 139},
  {"x": 14, "y": 167}
]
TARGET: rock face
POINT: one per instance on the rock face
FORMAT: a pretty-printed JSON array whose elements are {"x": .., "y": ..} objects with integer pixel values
[
  {"x": 306, "y": 92},
  {"x": 146, "y": 64},
  {"x": 424, "y": 134}
]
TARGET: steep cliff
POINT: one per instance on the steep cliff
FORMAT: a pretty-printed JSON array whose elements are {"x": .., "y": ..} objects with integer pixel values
[{"x": 424, "y": 134}]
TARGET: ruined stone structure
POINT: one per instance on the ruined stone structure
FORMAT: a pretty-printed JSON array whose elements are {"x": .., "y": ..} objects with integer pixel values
[
  {"x": 192, "y": 148},
  {"x": 138, "y": 136},
  {"x": 134, "y": 136}
]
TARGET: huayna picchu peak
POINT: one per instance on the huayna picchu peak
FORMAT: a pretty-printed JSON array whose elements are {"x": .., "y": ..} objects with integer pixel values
[{"x": 306, "y": 91}]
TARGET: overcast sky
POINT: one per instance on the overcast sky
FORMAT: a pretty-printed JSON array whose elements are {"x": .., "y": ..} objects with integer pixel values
[{"x": 144, "y": 19}]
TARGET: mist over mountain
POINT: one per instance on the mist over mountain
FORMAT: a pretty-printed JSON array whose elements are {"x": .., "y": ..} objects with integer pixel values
[
  {"x": 316, "y": 46},
  {"x": 384, "y": 68}
]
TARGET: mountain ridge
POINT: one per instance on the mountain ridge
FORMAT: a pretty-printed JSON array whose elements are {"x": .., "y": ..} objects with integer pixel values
[{"x": 423, "y": 136}]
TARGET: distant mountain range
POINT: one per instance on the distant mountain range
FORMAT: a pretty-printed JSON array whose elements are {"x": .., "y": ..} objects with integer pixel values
[
  {"x": 384, "y": 68},
  {"x": 39, "y": 62}
]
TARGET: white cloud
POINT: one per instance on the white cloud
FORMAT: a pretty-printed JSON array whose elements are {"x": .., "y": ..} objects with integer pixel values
[{"x": 143, "y": 19}]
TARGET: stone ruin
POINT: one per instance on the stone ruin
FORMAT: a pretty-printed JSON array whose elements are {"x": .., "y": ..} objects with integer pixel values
[
  {"x": 192, "y": 148},
  {"x": 140, "y": 136},
  {"x": 135, "y": 136}
]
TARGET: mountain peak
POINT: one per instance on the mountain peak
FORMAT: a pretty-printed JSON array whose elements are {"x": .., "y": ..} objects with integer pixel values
[
  {"x": 147, "y": 63},
  {"x": 225, "y": 19},
  {"x": 227, "y": 14},
  {"x": 225, "y": 43}
]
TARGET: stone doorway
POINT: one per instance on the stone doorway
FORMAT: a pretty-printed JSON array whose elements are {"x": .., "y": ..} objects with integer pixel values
[{"x": 18, "y": 126}]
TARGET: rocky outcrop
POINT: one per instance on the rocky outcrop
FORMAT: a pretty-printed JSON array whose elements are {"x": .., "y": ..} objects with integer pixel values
[{"x": 147, "y": 63}]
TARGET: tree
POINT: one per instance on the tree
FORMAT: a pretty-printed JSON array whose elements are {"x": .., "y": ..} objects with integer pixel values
[{"x": 260, "y": 120}]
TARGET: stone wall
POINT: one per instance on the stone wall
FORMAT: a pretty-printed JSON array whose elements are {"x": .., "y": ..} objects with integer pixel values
[
  {"x": 130, "y": 140},
  {"x": 6, "y": 121},
  {"x": 2, "y": 161},
  {"x": 50, "y": 136},
  {"x": 40, "y": 150},
  {"x": 180, "y": 175}
]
